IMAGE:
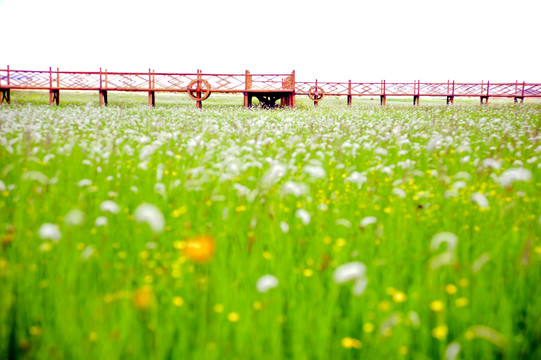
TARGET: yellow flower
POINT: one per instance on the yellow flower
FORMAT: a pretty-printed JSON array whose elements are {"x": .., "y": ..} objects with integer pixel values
[
  {"x": 308, "y": 272},
  {"x": 368, "y": 327},
  {"x": 351, "y": 343},
  {"x": 178, "y": 301},
  {"x": 233, "y": 317},
  {"x": 399, "y": 297},
  {"x": 200, "y": 249},
  {"x": 403, "y": 350},
  {"x": 450, "y": 289},
  {"x": 218, "y": 308},
  {"x": 384, "y": 306},
  {"x": 461, "y": 302},
  {"x": 440, "y": 332},
  {"x": 437, "y": 306}
]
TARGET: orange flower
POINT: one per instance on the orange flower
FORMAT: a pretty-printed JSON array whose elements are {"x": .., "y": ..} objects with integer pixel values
[
  {"x": 144, "y": 297},
  {"x": 199, "y": 249}
]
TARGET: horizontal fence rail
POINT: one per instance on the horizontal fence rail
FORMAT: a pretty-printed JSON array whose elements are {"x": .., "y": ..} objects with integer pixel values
[{"x": 268, "y": 88}]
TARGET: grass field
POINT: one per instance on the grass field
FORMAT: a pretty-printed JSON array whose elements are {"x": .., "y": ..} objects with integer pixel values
[{"x": 332, "y": 233}]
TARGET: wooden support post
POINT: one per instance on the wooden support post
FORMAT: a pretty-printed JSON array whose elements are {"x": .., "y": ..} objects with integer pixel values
[
  {"x": 151, "y": 93},
  {"x": 54, "y": 92},
  {"x": 102, "y": 92},
  {"x": 483, "y": 98},
  {"x": 293, "y": 104},
  {"x": 416, "y": 96},
  {"x": 247, "y": 86},
  {"x": 6, "y": 96},
  {"x": 315, "y": 101},
  {"x": 54, "y": 97},
  {"x": 383, "y": 97},
  {"x": 349, "y": 93},
  {"x": 103, "y": 98}
]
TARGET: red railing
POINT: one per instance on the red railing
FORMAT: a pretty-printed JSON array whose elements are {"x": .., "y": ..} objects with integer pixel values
[{"x": 103, "y": 81}]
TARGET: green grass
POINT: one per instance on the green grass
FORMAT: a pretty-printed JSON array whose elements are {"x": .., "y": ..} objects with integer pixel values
[{"x": 123, "y": 290}]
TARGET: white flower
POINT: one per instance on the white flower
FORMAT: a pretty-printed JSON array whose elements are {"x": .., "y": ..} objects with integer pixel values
[
  {"x": 2, "y": 186},
  {"x": 368, "y": 221},
  {"x": 480, "y": 262},
  {"x": 444, "y": 237},
  {"x": 463, "y": 175},
  {"x": 357, "y": 178},
  {"x": 49, "y": 231},
  {"x": 348, "y": 272},
  {"x": 159, "y": 188},
  {"x": 304, "y": 216},
  {"x": 353, "y": 271},
  {"x": 74, "y": 217},
  {"x": 294, "y": 188},
  {"x": 399, "y": 192},
  {"x": 315, "y": 171},
  {"x": 151, "y": 215},
  {"x": 100, "y": 221},
  {"x": 110, "y": 206},
  {"x": 492, "y": 163},
  {"x": 343, "y": 222},
  {"x": 84, "y": 182},
  {"x": 35, "y": 176},
  {"x": 509, "y": 176},
  {"x": 87, "y": 252},
  {"x": 284, "y": 227},
  {"x": 275, "y": 173},
  {"x": 450, "y": 193},
  {"x": 452, "y": 351},
  {"x": 480, "y": 199},
  {"x": 266, "y": 282},
  {"x": 459, "y": 185}
]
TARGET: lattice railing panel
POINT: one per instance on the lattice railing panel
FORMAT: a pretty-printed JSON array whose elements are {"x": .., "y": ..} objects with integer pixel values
[
  {"x": 462, "y": 89},
  {"x": 172, "y": 82},
  {"x": 126, "y": 81},
  {"x": 368, "y": 89},
  {"x": 227, "y": 82},
  {"x": 532, "y": 90},
  {"x": 28, "y": 79},
  {"x": 80, "y": 81},
  {"x": 399, "y": 89},
  {"x": 435, "y": 89}
]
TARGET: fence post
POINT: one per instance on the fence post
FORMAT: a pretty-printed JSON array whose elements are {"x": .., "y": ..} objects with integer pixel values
[
  {"x": 416, "y": 96},
  {"x": 6, "y": 95},
  {"x": 54, "y": 94},
  {"x": 247, "y": 86},
  {"x": 151, "y": 95},
  {"x": 292, "y": 104},
  {"x": 383, "y": 96},
  {"x": 349, "y": 93}
]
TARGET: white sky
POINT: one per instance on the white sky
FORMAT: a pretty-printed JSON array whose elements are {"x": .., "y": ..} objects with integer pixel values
[{"x": 337, "y": 40}]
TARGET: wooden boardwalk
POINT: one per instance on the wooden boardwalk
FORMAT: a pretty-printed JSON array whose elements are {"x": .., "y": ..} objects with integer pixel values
[{"x": 267, "y": 88}]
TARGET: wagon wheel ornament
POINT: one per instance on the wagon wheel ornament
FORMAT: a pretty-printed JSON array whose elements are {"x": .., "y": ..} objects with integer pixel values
[
  {"x": 316, "y": 93},
  {"x": 199, "y": 89}
]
